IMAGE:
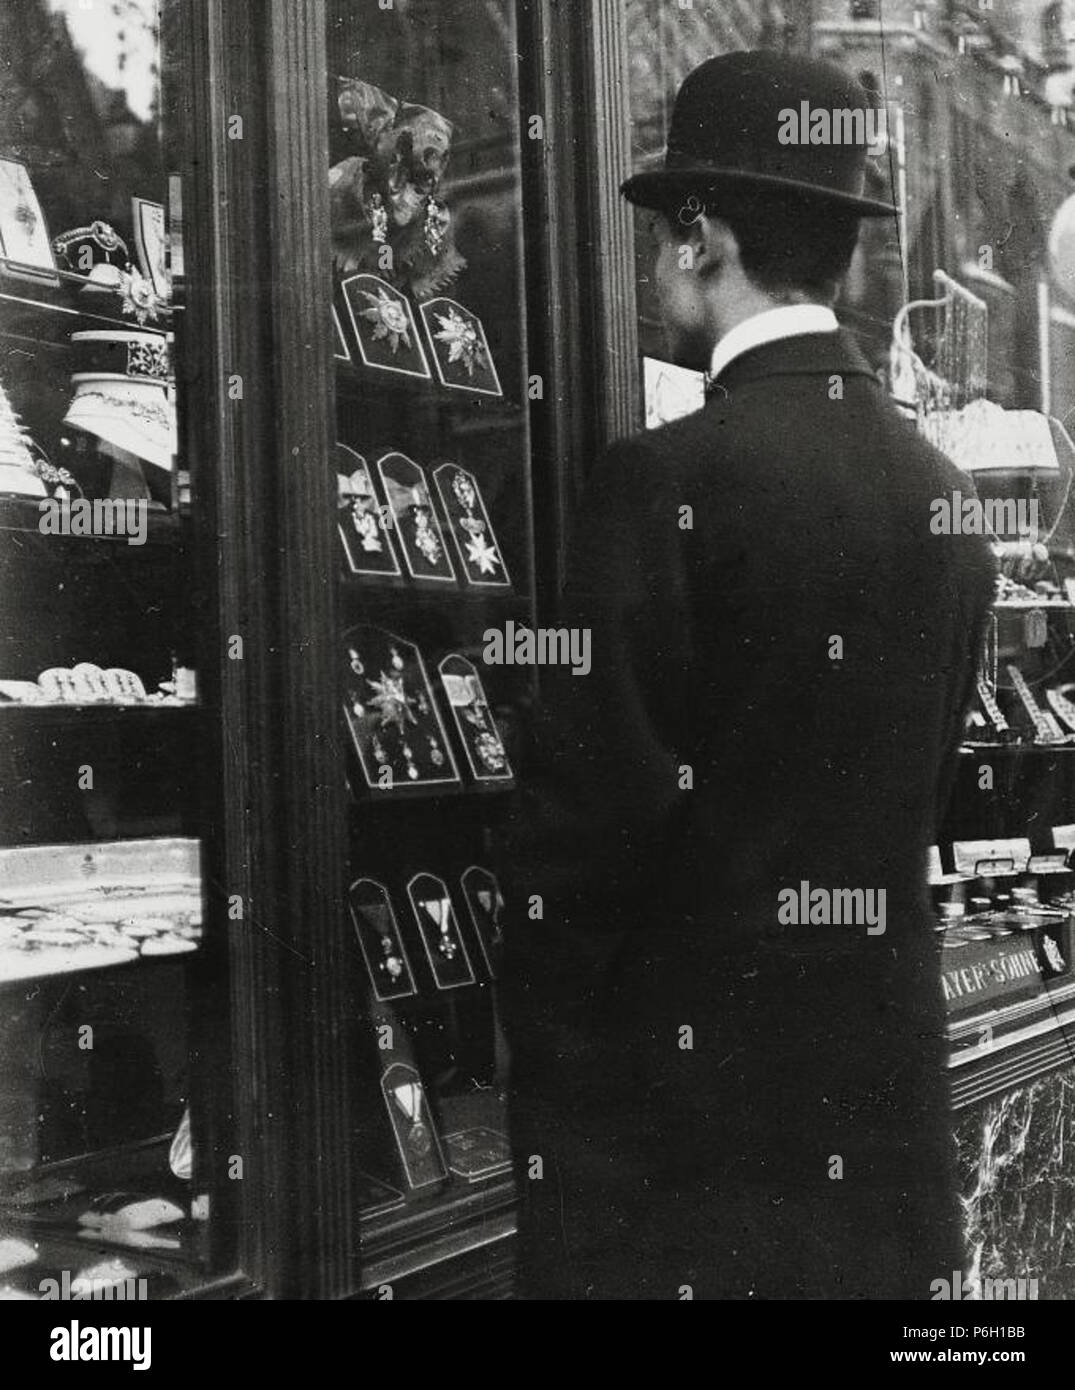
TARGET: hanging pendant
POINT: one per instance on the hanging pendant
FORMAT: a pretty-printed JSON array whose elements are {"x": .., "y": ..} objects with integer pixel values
[
  {"x": 438, "y": 219},
  {"x": 378, "y": 219}
]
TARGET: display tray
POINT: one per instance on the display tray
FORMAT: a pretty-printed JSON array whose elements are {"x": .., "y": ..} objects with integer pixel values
[
  {"x": 84, "y": 715},
  {"x": 105, "y": 1218},
  {"x": 69, "y": 908}
]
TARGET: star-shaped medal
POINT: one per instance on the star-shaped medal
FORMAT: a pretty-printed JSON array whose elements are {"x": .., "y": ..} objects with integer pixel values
[
  {"x": 388, "y": 317},
  {"x": 482, "y": 554},
  {"x": 392, "y": 702},
  {"x": 462, "y": 339}
]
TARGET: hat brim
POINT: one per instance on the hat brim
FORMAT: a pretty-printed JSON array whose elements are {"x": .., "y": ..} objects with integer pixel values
[{"x": 661, "y": 188}]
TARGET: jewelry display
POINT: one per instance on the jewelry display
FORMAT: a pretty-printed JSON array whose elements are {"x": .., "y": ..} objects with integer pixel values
[
  {"x": 485, "y": 905},
  {"x": 151, "y": 245},
  {"x": 460, "y": 348},
  {"x": 412, "y": 1125},
  {"x": 439, "y": 928},
  {"x": 385, "y": 192},
  {"x": 414, "y": 519},
  {"x": 87, "y": 684},
  {"x": 1061, "y": 703},
  {"x": 471, "y": 530},
  {"x": 1046, "y": 729},
  {"x": 366, "y": 540},
  {"x": 24, "y": 239},
  {"x": 384, "y": 326},
  {"x": 379, "y": 939},
  {"x": 478, "y": 1153},
  {"x": 992, "y": 708},
  {"x": 393, "y": 720},
  {"x": 82, "y": 248},
  {"x": 97, "y": 927},
  {"x": 474, "y": 720}
]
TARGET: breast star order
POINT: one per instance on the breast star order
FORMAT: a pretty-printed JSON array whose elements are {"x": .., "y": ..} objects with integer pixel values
[
  {"x": 482, "y": 554},
  {"x": 392, "y": 703}
]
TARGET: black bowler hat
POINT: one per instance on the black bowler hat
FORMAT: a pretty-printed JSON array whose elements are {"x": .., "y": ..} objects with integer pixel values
[{"x": 725, "y": 130}]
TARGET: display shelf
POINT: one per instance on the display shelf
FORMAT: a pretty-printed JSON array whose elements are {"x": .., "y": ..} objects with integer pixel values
[
  {"x": 82, "y": 717},
  {"x": 390, "y": 592},
  {"x": 356, "y": 381},
  {"x": 1022, "y": 605},
  {"x": 402, "y": 1245}
]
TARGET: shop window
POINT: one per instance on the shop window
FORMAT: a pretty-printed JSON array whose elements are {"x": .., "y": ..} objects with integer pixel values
[
  {"x": 101, "y": 910},
  {"x": 434, "y": 389}
]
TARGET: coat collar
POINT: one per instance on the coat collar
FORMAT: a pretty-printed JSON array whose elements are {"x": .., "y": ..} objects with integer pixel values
[{"x": 807, "y": 354}]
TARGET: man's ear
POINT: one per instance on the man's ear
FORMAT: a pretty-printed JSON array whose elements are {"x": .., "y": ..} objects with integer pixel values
[{"x": 714, "y": 246}]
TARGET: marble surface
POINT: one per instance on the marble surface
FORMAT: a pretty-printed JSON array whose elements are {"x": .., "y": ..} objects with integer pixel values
[{"x": 1017, "y": 1172}]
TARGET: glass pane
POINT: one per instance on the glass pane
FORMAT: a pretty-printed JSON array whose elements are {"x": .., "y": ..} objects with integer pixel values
[
  {"x": 665, "y": 43},
  {"x": 100, "y": 889},
  {"x": 435, "y": 519}
]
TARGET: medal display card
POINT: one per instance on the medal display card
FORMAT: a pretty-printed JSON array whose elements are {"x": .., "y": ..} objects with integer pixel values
[
  {"x": 151, "y": 245},
  {"x": 383, "y": 321},
  {"x": 24, "y": 236},
  {"x": 474, "y": 720},
  {"x": 479, "y": 555},
  {"x": 340, "y": 350},
  {"x": 366, "y": 541},
  {"x": 485, "y": 905},
  {"x": 479, "y": 1153},
  {"x": 425, "y": 551},
  {"x": 412, "y": 1125},
  {"x": 438, "y": 926},
  {"x": 380, "y": 940},
  {"x": 460, "y": 349},
  {"x": 392, "y": 715}
]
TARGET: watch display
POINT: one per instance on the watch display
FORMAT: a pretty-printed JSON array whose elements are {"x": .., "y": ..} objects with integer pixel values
[
  {"x": 438, "y": 925},
  {"x": 380, "y": 941},
  {"x": 425, "y": 551},
  {"x": 474, "y": 720},
  {"x": 391, "y": 713},
  {"x": 480, "y": 557}
]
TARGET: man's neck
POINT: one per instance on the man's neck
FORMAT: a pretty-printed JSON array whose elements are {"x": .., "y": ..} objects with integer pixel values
[{"x": 770, "y": 324}]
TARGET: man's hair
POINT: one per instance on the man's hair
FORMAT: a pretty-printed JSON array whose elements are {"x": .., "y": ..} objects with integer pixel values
[{"x": 789, "y": 244}]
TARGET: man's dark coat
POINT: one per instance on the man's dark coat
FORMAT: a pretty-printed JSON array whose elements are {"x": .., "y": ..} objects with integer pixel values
[{"x": 702, "y": 1097}]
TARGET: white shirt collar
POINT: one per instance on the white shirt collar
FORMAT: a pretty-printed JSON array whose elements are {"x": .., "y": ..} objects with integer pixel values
[{"x": 788, "y": 321}]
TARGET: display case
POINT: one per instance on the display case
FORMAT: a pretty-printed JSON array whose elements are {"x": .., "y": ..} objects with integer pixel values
[
  {"x": 1002, "y": 874},
  {"x": 102, "y": 920},
  {"x": 432, "y": 464}
]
